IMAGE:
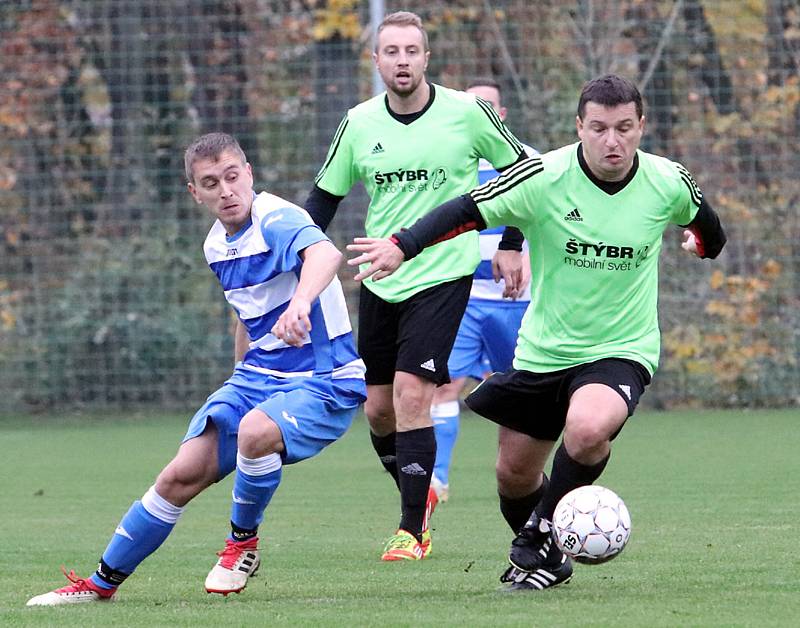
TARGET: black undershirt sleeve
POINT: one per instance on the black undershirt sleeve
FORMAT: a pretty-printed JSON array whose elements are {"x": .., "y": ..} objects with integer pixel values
[
  {"x": 446, "y": 221},
  {"x": 321, "y": 206},
  {"x": 512, "y": 237},
  {"x": 708, "y": 231}
]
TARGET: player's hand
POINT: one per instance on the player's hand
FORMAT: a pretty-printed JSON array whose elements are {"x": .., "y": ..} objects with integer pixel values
[
  {"x": 294, "y": 324},
  {"x": 690, "y": 243},
  {"x": 383, "y": 256},
  {"x": 507, "y": 265},
  {"x": 526, "y": 273}
]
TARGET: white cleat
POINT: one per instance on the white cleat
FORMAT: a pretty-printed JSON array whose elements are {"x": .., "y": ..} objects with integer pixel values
[
  {"x": 78, "y": 592},
  {"x": 237, "y": 563}
]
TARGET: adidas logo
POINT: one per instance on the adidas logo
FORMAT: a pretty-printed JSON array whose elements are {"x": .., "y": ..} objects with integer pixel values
[
  {"x": 574, "y": 215},
  {"x": 626, "y": 389},
  {"x": 377, "y": 149},
  {"x": 428, "y": 365},
  {"x": 413, "y": 469}
]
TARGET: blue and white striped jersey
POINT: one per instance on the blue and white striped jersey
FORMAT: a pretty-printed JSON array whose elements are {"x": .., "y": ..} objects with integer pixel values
[
  {"x": 259, "y": 269},
  {"x": 483, "y": 285}
]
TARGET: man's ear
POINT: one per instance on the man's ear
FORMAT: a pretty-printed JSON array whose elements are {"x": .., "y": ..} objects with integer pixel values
[{"x": 193, "y": 192}]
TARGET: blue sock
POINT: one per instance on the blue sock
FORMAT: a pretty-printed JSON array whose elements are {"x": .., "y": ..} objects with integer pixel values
[
  {"x": 140, "y": 533},
  {"x": 445, "y": 425},
  {"x": 256, "y": 481}
]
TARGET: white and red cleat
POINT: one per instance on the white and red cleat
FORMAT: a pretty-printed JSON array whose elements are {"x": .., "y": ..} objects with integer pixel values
[
  {"x": 81, "y": 590},
  {"x": 237, "y": 563}
]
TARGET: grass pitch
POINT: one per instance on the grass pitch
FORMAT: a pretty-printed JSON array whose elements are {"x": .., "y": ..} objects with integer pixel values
[{"x": 713, "y": 497}]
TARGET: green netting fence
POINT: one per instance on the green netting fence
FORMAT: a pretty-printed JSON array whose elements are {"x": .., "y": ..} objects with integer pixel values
[{"x": 105, "y": 300}]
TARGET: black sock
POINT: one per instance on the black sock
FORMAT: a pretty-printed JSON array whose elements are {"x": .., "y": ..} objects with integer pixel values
[
  {"x": 416, "y": 455},
  {"x": 387, "y": 453},
  {"x": 566, "y": 475},
  {"x": 242, "y": 534},
  {"x": 517, "y": 510},
  {"x": 111, "y": 577}
]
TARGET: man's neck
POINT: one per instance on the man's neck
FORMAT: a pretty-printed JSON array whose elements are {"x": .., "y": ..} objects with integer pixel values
[{"x": 410, "y": 103}]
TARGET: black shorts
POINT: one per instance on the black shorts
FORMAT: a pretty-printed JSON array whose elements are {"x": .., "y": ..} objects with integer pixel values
[
  {"x": 536, "y": 403},
  {"x": 415, "y": 335}
]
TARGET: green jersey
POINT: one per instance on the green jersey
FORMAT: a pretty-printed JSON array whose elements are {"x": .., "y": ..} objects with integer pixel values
[
  {"x": 408, "y": 169},
  {"x": 594, "y": 254}
]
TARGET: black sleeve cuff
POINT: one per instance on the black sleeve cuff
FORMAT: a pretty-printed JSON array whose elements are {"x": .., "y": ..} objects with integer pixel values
[
  {"x": 512, "y": 240},
  {"x": 708, "y": 231},
  {"x": 446, "y": 221}
]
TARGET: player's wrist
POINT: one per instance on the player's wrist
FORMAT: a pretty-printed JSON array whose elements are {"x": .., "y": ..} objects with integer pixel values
[{"x": 404, "y": 241}]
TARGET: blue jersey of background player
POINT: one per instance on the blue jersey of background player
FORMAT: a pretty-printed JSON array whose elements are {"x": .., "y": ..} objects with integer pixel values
[
  {"x": 488, "y": 331},
  {"x": 295, "y": 388}
]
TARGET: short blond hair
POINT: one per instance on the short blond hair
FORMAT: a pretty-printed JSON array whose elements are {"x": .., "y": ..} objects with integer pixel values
[
  {"x": 210, "y": 146},
  {"x": 403, "y": 18}
]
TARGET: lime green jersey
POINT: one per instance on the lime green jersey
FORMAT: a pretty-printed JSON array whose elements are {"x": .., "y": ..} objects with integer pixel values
[
  {"x": 408, "y": 169},
  {"x": 594, "y": 254}
]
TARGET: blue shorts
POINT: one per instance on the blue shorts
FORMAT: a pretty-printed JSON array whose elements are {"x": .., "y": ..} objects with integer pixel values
[
  {"x": 486, "y": 338},
  {"x": 311, "y": 412}
]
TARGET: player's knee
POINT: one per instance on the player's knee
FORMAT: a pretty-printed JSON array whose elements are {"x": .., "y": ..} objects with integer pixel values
[
  {"x": 258, "y": 435},
  {"x": 514, "y": 477},
  {"x": 413, "y": 401},
  {"x": 178, "y": 483},
  {"x": 585, "y": 434}
]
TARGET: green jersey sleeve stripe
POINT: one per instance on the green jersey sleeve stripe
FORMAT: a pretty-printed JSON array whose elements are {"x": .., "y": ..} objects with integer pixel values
[
  {"x": 498, "y": 123},
  {"x": 511, "y": 178},
  {"x": 337, "y": 138},
  {"x": 694, "y": 189}
]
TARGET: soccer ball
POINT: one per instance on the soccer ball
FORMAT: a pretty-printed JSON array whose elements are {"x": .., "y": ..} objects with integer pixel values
[{"x": 591, "y": 524}]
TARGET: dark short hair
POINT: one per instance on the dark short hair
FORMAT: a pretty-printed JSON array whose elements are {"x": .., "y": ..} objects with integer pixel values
[
  {"x": 610, "y": 90},
  {"x": 403, "y": 18},
  {"x": 485, "y": 82},
  {"x": 210, "y": 146}
]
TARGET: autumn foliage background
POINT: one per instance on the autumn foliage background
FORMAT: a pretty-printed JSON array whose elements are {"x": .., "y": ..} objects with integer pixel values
[{"x": 105, "y": 299}]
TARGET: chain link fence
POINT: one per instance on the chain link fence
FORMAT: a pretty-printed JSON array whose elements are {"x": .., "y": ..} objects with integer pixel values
[{"x": 105, "y": 299}]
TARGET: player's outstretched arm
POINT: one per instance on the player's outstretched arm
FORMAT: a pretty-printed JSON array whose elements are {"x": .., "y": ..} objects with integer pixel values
[
  {"x": 321, "y": 260},
  {"x": 382, "y": 254},
  {"x": 446, "y": 221}
]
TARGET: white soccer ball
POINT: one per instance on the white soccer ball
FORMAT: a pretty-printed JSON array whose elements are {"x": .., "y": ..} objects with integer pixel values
[{"x": 591, "y": 524}]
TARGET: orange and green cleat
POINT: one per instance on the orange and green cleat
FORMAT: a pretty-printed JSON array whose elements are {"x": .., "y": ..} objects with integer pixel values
[{"x": 402, "y": 546}]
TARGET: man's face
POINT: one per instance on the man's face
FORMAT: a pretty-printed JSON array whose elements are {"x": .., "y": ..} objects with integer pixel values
[
  {"x": 610, "y": 137},
  {"x": 492, "y": 96},
  {"x": 401, "y": 58},
  {"x": 225, "y": 186}
]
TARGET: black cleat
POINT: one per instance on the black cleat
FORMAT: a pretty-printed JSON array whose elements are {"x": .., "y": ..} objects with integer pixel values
[{"x": 536, "y": 561}]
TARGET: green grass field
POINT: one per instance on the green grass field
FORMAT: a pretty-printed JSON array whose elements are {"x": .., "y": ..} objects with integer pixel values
[{"x": 713, "y": 497}]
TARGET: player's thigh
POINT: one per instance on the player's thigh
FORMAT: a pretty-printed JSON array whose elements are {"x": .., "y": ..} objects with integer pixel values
[
  {"x": 500, "y": 331},
  {"x": 465, "y": 358},
  {"x": 427, "y": 329},
  {"x": 312, "y": 413},
  {"x": 534, "y": 404},
  {"x": 520, "y": 461},
  {"x": 225, "y": 408},
  {"x": 603, "y": 395},
  {"x": 378, "y": 322},
  {"x": 449, "y": 392}
]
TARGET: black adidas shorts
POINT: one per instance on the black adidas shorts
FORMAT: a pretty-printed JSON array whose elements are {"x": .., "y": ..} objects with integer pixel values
[
  {"x": 536, "y": 403},
  {"x": 415, "y": 335}
]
